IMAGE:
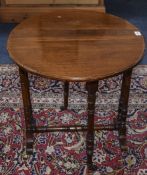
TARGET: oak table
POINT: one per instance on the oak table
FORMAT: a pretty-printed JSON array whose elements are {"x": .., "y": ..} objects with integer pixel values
[{"x": 81, "y": 46}]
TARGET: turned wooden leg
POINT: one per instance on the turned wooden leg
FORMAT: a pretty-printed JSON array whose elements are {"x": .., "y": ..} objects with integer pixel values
[
  {"x": 91, "y": 88},
  {"x": 123, "y": 108},
  {"x": 27, "y": 110},
  {"x": 66, "y": 94}
]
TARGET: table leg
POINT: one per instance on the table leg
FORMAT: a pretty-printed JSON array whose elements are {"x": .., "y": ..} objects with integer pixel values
[
  {"x": 123, "y": 108},
  {"x": 66, "y": 94},
  {"x": 27, "y": 110},
  {"x": 91, "y": 87}
]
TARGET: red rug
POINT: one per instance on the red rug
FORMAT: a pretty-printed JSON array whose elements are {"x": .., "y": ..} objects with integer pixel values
[{"x": 64, "y": 153}]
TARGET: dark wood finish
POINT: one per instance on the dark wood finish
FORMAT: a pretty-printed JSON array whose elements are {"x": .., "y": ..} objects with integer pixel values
[
  {"x": 66, "y": 94},
  {"x": 76, "y": 45},
  {"x": 2, "y": 3},
  {"x": 91, "y": 87},
  {"x": 123, "y": 108},
  {"x": 27, "y": 110},
  {"x": 73, "y": 128}
]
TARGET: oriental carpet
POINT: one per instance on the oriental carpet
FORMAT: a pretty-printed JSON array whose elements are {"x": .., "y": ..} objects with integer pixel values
[{"x": 64, "y": 153}]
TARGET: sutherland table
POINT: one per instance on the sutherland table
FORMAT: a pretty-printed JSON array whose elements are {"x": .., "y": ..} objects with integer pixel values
[{"x": 76, "y": 46}]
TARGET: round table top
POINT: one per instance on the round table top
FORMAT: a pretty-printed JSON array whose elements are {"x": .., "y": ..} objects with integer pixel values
[{"x": 76, "y": 45}]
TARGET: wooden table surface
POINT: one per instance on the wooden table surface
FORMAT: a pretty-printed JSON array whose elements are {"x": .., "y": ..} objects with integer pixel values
[{"x": 76, "y": 45}]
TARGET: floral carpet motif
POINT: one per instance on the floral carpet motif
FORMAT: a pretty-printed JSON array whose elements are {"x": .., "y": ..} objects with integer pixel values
[{"x": 63, "y": 153}]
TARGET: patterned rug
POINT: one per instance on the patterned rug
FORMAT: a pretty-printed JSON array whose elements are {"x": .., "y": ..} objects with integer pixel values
[{"x": 64, "y": 153}]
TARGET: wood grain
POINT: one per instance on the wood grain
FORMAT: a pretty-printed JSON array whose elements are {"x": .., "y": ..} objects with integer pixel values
[
  {"x": 16, "y": 14},
  {"x": 75, "y": 45}
]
